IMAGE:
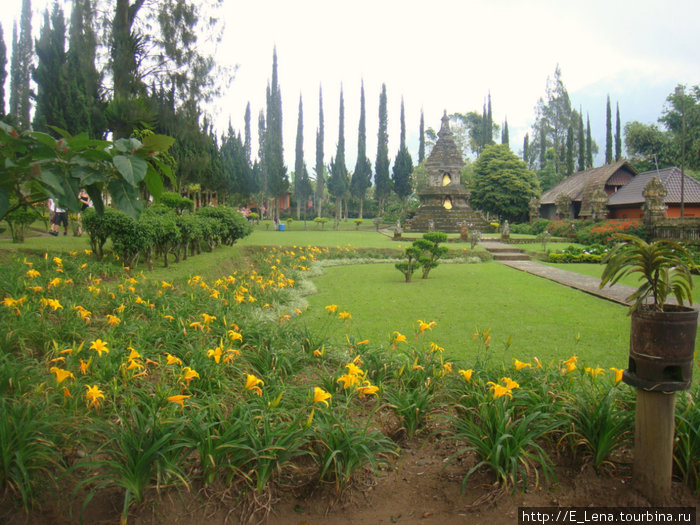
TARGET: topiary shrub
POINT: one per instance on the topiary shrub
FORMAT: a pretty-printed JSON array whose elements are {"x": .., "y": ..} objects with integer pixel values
[
  {"x": 231, "y": 224},
  {"x": 176, "y": 202},
  {"x": 18, "y": 221},
  {"x": 160, "y": 222},
  {"x": 129, "y": 238},
  {"x": 99, "y": 228}
]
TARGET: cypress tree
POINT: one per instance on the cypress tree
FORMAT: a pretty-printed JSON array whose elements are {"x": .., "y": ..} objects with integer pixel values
[
  {"x": 338, "y": 181},
  {"x": 320, "y": 166},
  {"x": 3, "y": 71},
  {"x": 543, "y": 147},
  {"x": 247, "y": 135},
  {"x": 273, "y": 164},
  {"x": 526, "y": 149},
  {"x": 403, "y": 167},
  {"x": 49, "y": 74},
  {"x": 361, "y": 177},
  {"x": 570, "y": 150},
  {"x": 261, "y": 173},
  {"x": 299, "y": 160},
  {"x": 483, "y": 140},
  {"x": 25, "y": 64},
  {"x": 581, "y": 143},
  {"x": 589, "y": 144},
  {"x": 14, "y": 75},
  {"x": 618, "y": 135},
  {"x": 421, "y": 139},
  {"x": 505, "y": 139},
  {"x": 608, "y": 134},
  {"x": 382, "y": 181},
  {"x": 489, "y": 124}
]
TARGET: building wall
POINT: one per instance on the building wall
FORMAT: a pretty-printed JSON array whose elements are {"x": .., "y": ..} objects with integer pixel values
[{"x": 673, "y": 211}]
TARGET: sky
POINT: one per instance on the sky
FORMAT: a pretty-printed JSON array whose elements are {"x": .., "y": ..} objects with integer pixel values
[{"x": 444, "y": 55}]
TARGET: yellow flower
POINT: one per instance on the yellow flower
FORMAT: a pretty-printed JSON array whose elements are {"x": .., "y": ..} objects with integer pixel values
[
  {"x": 618, "y": 373},
  {"x": 519, "y": 365},
  {"x": 345, "y": 315},
  {"x": 133, "y": 363},
  {"x": 113, "y": 320},
  {"x": 233, "y": 335},
  {"x": 84, "y": 367},
  {"x": 252, "y": 382},
  {"x": 447, "y": 367},
  {"x": 499, "y": 390},
  {"x": 321, "y": 396},
  {"x": 57, "y": 261},
  {"x": 172, "y": 360},
  {"x": 367, "y": 389},
  {"x": 332, "y": 308},
  {"x": 348, "y": 380},
  {"x": 165, "y": 284},
  {"x": 207, "y": 318},
  {"x": 99, "y": 346},
  {"x": 133, "y": 354},
  {"x": 537, "y": 361},
  {"x": 169, "y": 318},
  {"x": 51, "y": 303},
  {"x": 179, "y": 399},
  {"x": 423, "y": 326},
  {"x": 318, "y": 353},
  {"x": 230, "y": 353},
  {"x": 33, "y": 273},
  {"x": 510, "y": 384},
  {"x": 598, "y": 371},
  {"x": 435, "y": 348},
  {"x": 216, "y": 354},
  {"x": 398, "y": 338},
  {"x": 571, "y": 363},
  {"x": 61, "y": 375},
  {"x": 354, "y": 370},
  {"x": 93, "y": 395},
  {"x": 363, "y": 342},
  {"x": 66, "y": 392},
  {"x": 54, "y": 282},
  {"x": 466, "y": 374},
  {"x": 188, "y": 374}
]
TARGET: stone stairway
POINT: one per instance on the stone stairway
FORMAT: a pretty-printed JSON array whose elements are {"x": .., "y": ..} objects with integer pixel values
[{"x": 504, "y": 252}]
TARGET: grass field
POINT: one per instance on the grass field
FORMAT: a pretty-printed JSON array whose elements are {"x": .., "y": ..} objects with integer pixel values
[{"x": 540, "y": 318}]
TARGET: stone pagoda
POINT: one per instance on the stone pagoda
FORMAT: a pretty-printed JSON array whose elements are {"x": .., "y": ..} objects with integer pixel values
[{"x": 444, "y": 204}]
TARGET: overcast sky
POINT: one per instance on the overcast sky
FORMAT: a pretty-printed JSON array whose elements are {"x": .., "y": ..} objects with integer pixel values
[{"x": 446, "y": 55}]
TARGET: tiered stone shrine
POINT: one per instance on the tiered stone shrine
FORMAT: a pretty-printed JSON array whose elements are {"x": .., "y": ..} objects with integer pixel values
[{"x": 444, "y": 204}]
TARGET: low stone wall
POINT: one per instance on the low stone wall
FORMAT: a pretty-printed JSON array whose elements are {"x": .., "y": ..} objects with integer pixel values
[{"x": 686, "y": 230}]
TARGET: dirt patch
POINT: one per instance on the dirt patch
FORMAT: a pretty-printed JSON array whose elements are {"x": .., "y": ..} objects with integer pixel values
[{"x": 420, "y": 487}]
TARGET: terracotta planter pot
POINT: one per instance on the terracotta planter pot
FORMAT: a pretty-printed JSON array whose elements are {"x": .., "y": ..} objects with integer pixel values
[{"x": 662, "y": 345}]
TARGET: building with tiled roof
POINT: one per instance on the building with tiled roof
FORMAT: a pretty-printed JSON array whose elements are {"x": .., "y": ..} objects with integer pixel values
[
  {"x": 628, "y": 201},
  {"x": 582, "y": 186}
]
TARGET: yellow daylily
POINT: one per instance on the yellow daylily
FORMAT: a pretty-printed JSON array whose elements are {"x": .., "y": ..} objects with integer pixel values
[
  {"x": 188, "y": 374},
  {"x": 618, "y": 373},
  {"x": 215, "y": 353},
  {"x": 332, "y": 308},
  {"x": 179, "y": 399},
  {"x": 423, "y": 326},
  {"x": 252, "y": 382},
  {"x": 99, "y": 346},
  {"x": 345, "y": 315},
  {"x": 466, "y": 374},
  {"x": 33, "y": 273},
  {"x": 113, "y": 320},
  {"x": 598, "y": 371},
  {"x": 538, "y": 364},
  {"x": 61, "y": 374},
  {"x": 367, "y": 389},
  {"x": 172, "y": 360},
  {"x": 519, "y": 365},
  {"x": 84, "y": 367},
  {"x": 499, "y": 390},
  {"x": 93, "y": 395},
  {"x": 321, "y": 396},
  {"x": 510, "y": 384}
]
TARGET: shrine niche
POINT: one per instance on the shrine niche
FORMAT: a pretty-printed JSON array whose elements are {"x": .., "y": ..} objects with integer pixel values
[{"x": 444, "y": 204}]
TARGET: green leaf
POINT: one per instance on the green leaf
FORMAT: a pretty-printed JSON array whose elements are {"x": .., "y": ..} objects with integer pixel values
[
  {"x": 44, "y": 138},
  {"x": 158, "y": 142},
  {"x": 131, "y": 167},
  {"x": 125, "y": 197},
  {"x": 154, "y": 182}
]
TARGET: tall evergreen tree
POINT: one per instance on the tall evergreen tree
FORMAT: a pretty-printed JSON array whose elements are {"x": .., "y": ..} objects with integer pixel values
[
  {"x": 608, "y": 134},
  {"x": 570, "y": 150},
  {"x": 276, "y": 171},
  {"x": 382, "y": 180},
  {"x": 421, "y": 139},
  {"x": 24, "y": 65},
  {"x": 14, "y": 74},
  {"x": 320, "y": 167},
  {"x": 505, "y": 139},
  {"x": 3, "y": 71},
  {"x": 589, "y": 144},
  {"x": 261, "y": 172},
  {"x": 618, "y": 134},
  {"x": 50, "y": 74},
  {"x": 301, "y": 176},
  {"x": 338, "y": 183},
  {"x": 543, "y": 147},
  {"x": 84, "y": 102},
  {"x": 581, "y": 143},
  {"x": 362, "y": 175},
  {"x": 526, "y": 149},
  {"x": 248, "y": 141},
  {"x": 403, "y": 167}
]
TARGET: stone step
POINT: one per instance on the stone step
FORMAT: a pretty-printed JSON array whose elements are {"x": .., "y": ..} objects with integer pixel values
[{"x": 510, "y": 256}]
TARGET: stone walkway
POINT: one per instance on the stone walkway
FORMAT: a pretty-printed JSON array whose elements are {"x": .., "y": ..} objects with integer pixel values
[{"x": 617, "y": 293}]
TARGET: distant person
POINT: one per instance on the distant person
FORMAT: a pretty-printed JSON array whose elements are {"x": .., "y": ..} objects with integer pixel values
[
  {"x": 85, "y": 203},
  {"x": 58, "y": 216}
]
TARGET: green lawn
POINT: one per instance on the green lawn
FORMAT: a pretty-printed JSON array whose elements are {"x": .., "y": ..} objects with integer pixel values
[{"x": 541, "y": 318}]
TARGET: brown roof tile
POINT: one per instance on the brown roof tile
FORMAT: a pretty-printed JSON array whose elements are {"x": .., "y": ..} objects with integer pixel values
[{"x": 632, "y": 193}]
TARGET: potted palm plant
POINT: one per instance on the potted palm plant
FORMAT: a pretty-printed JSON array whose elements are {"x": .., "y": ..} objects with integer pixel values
[{"x": 662, "y": 334}]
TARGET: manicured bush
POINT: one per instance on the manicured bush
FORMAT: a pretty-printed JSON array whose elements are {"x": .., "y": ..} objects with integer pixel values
[
  {"x": 523, "y": 228},
  {"x": 231, "y": 225},
  {"x": 602, "y": 232},
  {"x": 539, "y": 225},
  {"x": 176, "y": 202},
  {"x": 19, "y": 220}
]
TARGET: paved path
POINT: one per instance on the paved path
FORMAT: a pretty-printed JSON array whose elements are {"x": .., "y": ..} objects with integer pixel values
[{"x": 617, "y": 293}]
